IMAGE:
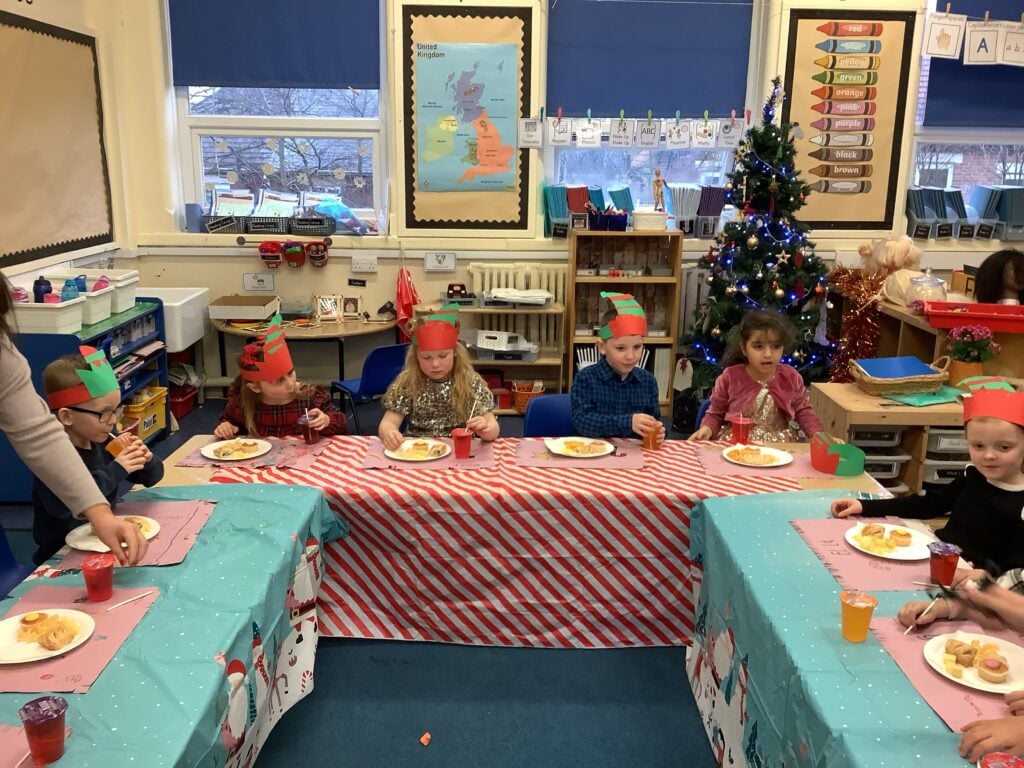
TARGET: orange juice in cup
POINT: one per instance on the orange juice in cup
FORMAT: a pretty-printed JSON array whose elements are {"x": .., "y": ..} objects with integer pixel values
[
  {"x": 857, "y": 609},
  {"x": 651, "y": 441}
]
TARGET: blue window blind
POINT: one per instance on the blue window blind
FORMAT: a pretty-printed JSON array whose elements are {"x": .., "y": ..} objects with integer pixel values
[
  {"x": 685, "y": 55},
  {"x": 276, "y": 43},
  {"x": 976, "y": 96}
]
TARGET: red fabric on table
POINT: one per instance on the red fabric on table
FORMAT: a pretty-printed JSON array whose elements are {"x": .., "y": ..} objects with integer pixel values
[
  {"x": 512, "y": 556},
  {"x": 180, "y": 523},
  {"x": 481, "y": 456},
  {"x": 77, "y": 670}
]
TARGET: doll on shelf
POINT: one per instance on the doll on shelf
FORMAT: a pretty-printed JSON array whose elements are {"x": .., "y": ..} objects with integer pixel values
[
  {"x": 658, "y": 190},
  {"x": 885, "y": 272},
  {"x": 1000, "y": 278}
]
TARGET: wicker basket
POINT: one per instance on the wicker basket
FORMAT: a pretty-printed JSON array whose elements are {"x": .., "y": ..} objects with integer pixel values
[
  {"x": 651, "y": 221},
  {"x": 522, "y": 394},
  {"x": 906, "y": 385}
]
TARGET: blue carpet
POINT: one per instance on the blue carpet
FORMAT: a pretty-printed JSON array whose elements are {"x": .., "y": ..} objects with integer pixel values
[{"x": 493, "y": 707}]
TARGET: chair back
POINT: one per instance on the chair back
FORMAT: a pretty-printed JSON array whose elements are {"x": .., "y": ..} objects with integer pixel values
[
  {"x": 701, "y": 410},
  {"x": 548, "y": 416},
  {"x": 11, "y": 571},
  {"x": 381, "y": 367}
]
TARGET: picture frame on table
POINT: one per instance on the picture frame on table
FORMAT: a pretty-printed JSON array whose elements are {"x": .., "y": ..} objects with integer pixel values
[
  {"x": 328, "y": 307},
  {"x": 579, "y": 221},
  {"x": 352, "y": 308}
]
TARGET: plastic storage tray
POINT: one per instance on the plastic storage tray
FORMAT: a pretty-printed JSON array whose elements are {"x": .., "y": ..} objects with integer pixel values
[
  {"x": 998, "y": 318},
  {"x": 884, "y": 464},
  {"x": 124, "y": 281},
  {"x": 59, "y": 317},
  {"x": 876, "y": 437},
  {"x": 943, "y": 470},
  {"x": 500, "y": 341},
  {"x": 947, "y": 441},
  {"x": 98, "y": 304},
  {"x": 150, "y": 410}
]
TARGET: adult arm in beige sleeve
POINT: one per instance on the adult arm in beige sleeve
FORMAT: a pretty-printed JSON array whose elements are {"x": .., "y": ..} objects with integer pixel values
[{"x": 38, "y": 438}]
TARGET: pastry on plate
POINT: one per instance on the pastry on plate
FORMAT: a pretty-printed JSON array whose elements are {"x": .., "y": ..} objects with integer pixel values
[
  {"x": 993, "y": 669},
  {"x": 900, "y": 537},
  {"x": 873, "y": 529}
]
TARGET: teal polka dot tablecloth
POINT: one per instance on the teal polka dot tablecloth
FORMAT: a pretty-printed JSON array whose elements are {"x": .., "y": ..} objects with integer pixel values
[
  {"x": 197, "y": 682},
  {"x": 774, "y": 680}
]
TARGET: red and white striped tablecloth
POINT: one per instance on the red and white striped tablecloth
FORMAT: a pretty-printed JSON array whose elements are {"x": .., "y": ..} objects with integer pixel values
[{"x": 513, "y": 556}]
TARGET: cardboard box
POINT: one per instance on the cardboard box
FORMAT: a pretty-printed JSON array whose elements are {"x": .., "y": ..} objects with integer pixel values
[{"x": 240, "y": 307}]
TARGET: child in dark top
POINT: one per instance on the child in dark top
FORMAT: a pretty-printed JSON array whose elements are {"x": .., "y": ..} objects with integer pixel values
[
  {"x": 266, "y": 400},
  {"x": 85, "y": 396},
  {"x": 613, "y": 397},
  {"x": 985, "y": 506}
]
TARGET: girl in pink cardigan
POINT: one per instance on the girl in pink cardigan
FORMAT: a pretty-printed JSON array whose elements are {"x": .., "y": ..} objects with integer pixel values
[{"x": 756, "y": 385}]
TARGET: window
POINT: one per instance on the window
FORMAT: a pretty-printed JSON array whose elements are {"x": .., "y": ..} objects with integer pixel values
[{"x": 284, "y": 140}]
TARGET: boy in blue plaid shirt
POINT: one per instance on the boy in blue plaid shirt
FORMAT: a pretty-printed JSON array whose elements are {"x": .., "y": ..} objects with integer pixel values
[{"x": 613, "y": 397}]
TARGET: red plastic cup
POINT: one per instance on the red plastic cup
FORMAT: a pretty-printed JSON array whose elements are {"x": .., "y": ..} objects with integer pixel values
[
  {"x": 98, "y": 571},
  {"x": 309, "y": 434},
  {"x": 944, "y": 558},
  {"x": 741, "y": 426},
  {"x": 43, "y": 719},
  {"x": 462, "y": 440}
]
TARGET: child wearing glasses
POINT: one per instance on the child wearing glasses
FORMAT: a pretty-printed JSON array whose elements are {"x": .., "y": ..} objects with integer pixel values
[{"x": 84, "y": 395}]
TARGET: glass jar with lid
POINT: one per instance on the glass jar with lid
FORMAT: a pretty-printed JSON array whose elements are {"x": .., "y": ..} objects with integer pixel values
[{"x": 926, "y": 287}]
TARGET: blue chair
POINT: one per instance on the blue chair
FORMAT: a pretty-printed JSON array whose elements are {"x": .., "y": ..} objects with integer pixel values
[
  {"x": 380, "y": 368},
  {"x": 548, "y": 416},
  {"x": 11, "y": 571},
  {"x": 701, "y": 410}
]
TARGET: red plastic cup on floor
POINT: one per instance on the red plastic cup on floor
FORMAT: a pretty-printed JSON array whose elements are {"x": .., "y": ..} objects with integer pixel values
[
  {"x": 98, "y": 571},
  {"x": 43, "y": 719},
  {"x": 462, "y": 441},
  {"x": 741, "y": 426},
  {"x": 944, "y": 558},
  {"x": 309, "y": 434}
]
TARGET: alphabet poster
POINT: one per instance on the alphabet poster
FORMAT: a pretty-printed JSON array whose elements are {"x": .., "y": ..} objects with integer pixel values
[{"x": 846, "y": 87}]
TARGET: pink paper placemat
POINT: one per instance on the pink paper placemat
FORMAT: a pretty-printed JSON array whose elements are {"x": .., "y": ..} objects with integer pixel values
[
  {"x": 78, "y": 669},
  {"x": 481, "y": 456},
  {"x": 710, "y": 457},
  {"x": 14, "y": 746},
  {"x": 180, "y": 523},
  {"x": 531, "y": 452},
  {"x": 956, "y": 704},
  {"x": 285, "y": 452},
  {"x": 856, "y": 570}
]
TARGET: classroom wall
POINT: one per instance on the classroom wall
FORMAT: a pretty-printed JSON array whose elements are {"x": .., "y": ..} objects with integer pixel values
[{"x": 141, "y": 141}]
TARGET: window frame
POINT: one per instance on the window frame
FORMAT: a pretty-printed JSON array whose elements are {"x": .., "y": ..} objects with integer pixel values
[{"x": 192, "y": 128}]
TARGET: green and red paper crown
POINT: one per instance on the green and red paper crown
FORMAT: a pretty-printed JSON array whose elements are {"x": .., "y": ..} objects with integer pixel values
[
  {"x": 439, "y": 331},
  {"x": 996, "y": 404},
  {"x": 98, "y": 379},
  {"x": 629, "y": 319},
  {"x": 269, "y": 358}
]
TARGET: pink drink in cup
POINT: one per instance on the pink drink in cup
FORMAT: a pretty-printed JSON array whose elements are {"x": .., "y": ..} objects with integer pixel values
[
  {"x": 43, "y": 719},
  {"x": 462, "y": 441},
  {"x": 309, "y": 434},
  {"x": 741, "y": 426},
  {"x": 98, "y": 571},
  {"x": 944, "y": 558}
]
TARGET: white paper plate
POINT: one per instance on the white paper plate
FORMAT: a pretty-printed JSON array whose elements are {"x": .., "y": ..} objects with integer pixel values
[
  {"x": 262, "y": 447},
  {"x": 782, "y": 458},
  {"x": 14, "y": 652},
  {"x": 419, "y": 449},
  {"x": 917, "y": 550},
  {"x": 84, "y": 539},
  {"x": 564, "y": 446},
  {"x": 1014, "y": 654}
]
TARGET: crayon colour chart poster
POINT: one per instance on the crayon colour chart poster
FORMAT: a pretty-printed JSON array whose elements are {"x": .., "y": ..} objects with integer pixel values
[{"x": 846, "y": 86}]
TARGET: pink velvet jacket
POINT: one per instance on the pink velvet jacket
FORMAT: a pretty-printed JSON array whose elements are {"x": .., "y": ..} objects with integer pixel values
[{"x": 735, "y": 390}]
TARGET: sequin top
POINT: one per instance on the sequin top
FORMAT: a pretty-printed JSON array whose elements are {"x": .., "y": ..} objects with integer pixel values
[
  {"x": 432, "y": 413},
  {"x": 769, "y": 425}
]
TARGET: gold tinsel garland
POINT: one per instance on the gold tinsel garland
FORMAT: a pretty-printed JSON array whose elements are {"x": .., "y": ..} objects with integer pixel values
[{"x": 861, "y": 313}]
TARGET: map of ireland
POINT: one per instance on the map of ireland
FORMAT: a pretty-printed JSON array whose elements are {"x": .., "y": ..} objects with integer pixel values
[{"x": 466, "y": 116}]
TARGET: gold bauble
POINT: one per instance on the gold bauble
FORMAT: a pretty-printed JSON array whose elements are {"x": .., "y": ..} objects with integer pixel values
[
  {"x": 716, "y": 331},
  {"x": 753, "y": 242},
  {"x": 779, "y": 293}
]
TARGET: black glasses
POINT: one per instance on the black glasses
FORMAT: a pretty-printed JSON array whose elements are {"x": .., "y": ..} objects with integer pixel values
[{"x": 105, "y": 417}]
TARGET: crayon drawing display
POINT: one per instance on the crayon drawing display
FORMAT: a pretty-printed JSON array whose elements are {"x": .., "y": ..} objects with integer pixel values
[{"x": 846, "y": 77}]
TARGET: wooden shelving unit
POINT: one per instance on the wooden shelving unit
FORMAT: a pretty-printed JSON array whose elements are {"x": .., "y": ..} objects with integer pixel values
[{"x": 659, "y": 294}]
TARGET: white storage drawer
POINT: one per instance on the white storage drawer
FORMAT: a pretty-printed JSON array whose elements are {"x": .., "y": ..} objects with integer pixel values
[
  {"x": 876, "y": 437},
  {"x": 884, "y": 463},
  {"x": 947, "y": 441},
  {"x": 944, "y": 469}
]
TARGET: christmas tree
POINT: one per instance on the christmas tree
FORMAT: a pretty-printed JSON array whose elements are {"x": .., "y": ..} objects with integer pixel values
[{"x": 763, "y": 259}]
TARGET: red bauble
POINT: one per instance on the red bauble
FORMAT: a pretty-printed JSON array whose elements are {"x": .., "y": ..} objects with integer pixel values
[{"x": 798, "y": 259}]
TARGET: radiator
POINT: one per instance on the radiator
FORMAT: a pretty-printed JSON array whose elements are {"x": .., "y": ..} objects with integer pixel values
[{"x": 545, "y": 330}]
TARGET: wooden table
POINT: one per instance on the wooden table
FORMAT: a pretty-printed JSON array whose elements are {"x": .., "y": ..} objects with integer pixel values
[
  {"x": 842, "y": 407},
  {"x": 324, "y": 332},
  {"x": 546, "y": 556}
]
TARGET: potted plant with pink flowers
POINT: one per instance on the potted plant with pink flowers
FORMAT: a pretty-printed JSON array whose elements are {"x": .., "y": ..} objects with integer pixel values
[{"x": 969, "y": 347}]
